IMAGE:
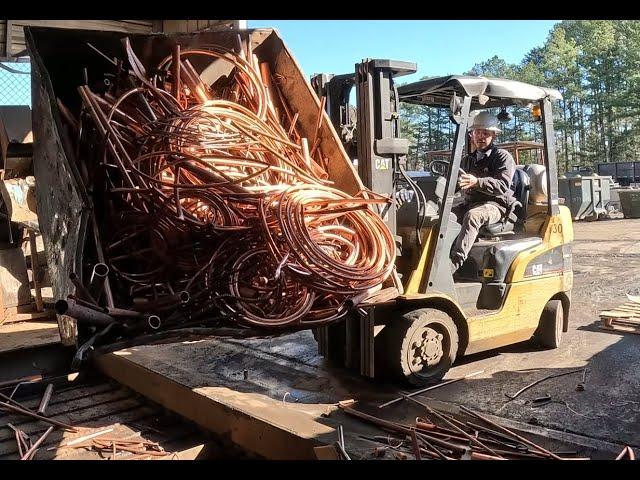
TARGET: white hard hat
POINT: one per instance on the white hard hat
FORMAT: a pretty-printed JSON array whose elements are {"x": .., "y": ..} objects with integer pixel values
[{"x": 485, "y": 120}]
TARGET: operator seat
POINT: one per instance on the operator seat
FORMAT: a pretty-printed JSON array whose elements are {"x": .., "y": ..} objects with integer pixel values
[{"x": 517, "y": 213}]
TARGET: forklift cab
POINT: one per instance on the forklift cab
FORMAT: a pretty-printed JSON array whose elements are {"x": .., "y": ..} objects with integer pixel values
[{"x": 515, "y": 284}]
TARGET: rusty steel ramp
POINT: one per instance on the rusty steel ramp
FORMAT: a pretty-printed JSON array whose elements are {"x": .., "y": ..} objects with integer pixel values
[
  {"x": 101, "y": 409},
  {"x": 277, "y": 399}
]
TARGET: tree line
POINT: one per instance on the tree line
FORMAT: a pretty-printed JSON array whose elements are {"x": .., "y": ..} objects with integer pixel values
[{"x": 595, "y": 64}]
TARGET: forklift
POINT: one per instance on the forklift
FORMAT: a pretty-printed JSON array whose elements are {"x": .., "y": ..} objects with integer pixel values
[{"x": 515, "y": 285}]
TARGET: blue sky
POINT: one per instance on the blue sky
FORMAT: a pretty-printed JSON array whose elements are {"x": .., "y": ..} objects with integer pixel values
[{"x": 439, "y": 47}]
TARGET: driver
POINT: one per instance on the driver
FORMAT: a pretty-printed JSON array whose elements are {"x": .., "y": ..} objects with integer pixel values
[{"x": 486, "y": 185}]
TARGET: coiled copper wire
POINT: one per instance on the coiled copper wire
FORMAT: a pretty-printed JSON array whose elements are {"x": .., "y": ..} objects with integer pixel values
[{"x": 214, "y": 193}]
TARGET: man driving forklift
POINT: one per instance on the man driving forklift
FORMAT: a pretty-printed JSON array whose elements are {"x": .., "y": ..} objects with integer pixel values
[
  {"x": 515, "y": 284},
  {"x": 486, "y": 186}
]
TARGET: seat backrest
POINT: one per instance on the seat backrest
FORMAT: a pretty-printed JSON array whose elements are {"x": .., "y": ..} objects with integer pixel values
[{"x": 521, "y": 186}]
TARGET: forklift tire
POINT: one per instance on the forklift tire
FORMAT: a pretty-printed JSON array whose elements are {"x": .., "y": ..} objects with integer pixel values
[
  {"x": 549, "y": 332},
  {"x": 418, "y": 348}
]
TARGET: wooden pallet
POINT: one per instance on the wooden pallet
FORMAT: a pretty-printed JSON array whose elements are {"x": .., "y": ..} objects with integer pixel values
[{"x": 624, "y": 318}]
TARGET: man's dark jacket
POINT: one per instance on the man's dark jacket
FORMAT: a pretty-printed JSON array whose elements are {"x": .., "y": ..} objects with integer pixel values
[{"x": 494, "y": 169}]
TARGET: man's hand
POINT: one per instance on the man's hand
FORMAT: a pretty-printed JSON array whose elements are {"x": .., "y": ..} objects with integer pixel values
[{"x": 467, "y": 181}]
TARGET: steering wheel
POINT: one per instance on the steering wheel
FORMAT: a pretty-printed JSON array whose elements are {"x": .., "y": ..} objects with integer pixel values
[{"x": 441, "y": 167}]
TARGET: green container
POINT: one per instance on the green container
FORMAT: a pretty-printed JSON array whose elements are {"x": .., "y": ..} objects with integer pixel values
[{"x": 630, "y": 202}]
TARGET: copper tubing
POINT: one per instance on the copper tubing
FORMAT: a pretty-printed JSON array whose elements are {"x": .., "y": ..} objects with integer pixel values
[
  {"x": 28, "y": 454},
  {"x": 82, "y": 314},
  {"x": 29, "y": 413},
  {"x": 81, "y": 290},
  {"x": 176, "y": 72},
  {"x": 98, "y": 277},
  {"x": 121, "y": 312},
  {"x": 454, "y": 426},
  {"x": 154, "y": 322},
  {"x": 509, "y": 432},
  {"x": 44, "y": 402},
  {"x": 215, "y": 202}
]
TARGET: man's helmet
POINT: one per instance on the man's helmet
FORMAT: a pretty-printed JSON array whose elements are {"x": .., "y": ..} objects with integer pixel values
[{"x": 486, "y": 121}]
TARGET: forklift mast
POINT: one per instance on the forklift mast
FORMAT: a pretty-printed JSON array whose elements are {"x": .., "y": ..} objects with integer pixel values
[
  {"x": 377, "y": 150},
  {"x": 378, "y": 144}
]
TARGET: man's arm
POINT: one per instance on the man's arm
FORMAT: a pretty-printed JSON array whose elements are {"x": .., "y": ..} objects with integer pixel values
[{"x": 500, "y": 180}]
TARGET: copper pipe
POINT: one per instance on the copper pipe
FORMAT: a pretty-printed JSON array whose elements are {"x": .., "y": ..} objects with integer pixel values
[
  {"x": 453, "y": 425},
  {"x": 28, "y": 454},
  {"x": 175, "y": 63},
  {"x": 82, "y": 314},
  {"x": 27, "y": 412},
  {"x": 509, "y": 432},
  {"x": 81, "y": 290},
  {"x": 98, "y": 276},
  {"x": 44, "y": 402}
]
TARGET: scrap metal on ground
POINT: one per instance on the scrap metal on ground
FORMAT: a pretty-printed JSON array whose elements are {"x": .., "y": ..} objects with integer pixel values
[
  {"x": 210, "y": 207},
  {"x": 441, "y": 436}
]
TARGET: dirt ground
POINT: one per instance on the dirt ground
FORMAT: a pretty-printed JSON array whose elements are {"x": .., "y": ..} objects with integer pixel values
[{"x": 606, "y": 264}]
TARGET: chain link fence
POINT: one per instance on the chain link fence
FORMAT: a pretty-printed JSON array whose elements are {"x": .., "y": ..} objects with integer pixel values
[{"x": 15, "y": 83}]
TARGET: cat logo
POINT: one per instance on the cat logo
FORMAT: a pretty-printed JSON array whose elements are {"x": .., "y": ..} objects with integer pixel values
[
  {"x": 383, "y": 163},
  {"x": 487, "y": 273}
]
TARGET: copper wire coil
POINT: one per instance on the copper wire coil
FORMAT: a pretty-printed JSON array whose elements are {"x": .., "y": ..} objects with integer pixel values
[{"x": 213, "y": 192}]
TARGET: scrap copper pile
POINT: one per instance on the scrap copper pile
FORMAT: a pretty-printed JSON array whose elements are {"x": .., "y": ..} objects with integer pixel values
[
  {"x": 441, "y": 436},
  {"x": 209, "y": 203},
  {"x": 26, "y": 448},
  {"x": 132, "y": 447}
]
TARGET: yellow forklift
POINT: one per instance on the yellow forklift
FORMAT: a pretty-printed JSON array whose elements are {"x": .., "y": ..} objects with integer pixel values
[{"x": 516, "y": 284}]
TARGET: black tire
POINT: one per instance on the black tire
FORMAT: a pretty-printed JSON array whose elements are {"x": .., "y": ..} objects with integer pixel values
[
  {"x": 417, "y": 348},
  {"x": 549, "y": 332}
]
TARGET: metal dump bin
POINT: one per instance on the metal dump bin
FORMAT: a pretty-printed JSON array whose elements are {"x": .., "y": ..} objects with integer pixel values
[
  {"x": 587, "y": 197},
  {"x": 630, "y": 202}
]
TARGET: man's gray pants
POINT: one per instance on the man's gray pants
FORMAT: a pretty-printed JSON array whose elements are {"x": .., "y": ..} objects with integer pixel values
[{"x": 472, "y": 221}]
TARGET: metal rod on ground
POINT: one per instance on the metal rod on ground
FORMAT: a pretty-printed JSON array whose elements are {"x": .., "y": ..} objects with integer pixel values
[
  {"x": 448, "y": 382},
  {"x": 23, "y": 411},
  {"x": 626, "y": 450},
  {"x": 513, "y": 434},
  {"x": 82, "y": 439},
  {"x": 19, "y": 442},
  {"x": 454, "y": 426},
  {"x": 454, "y": 447},
  {"x": 512, "y": 397},
  {"x": 45, "y": 399},
  {"x": 416, "y": 446},
  {"x": 377, "y": 421},
  {"x": 19, "y": 439},
  {"x": 35, "y": 446},
  {"x": 342, "y": 451},
  {"x": 11, "y": 383},
  {"x": 35, "y": 270},
  {"x": 11, "y": 400},
  {"x": 433, "y": 448},
  {"x": 15, "y": 389}
]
